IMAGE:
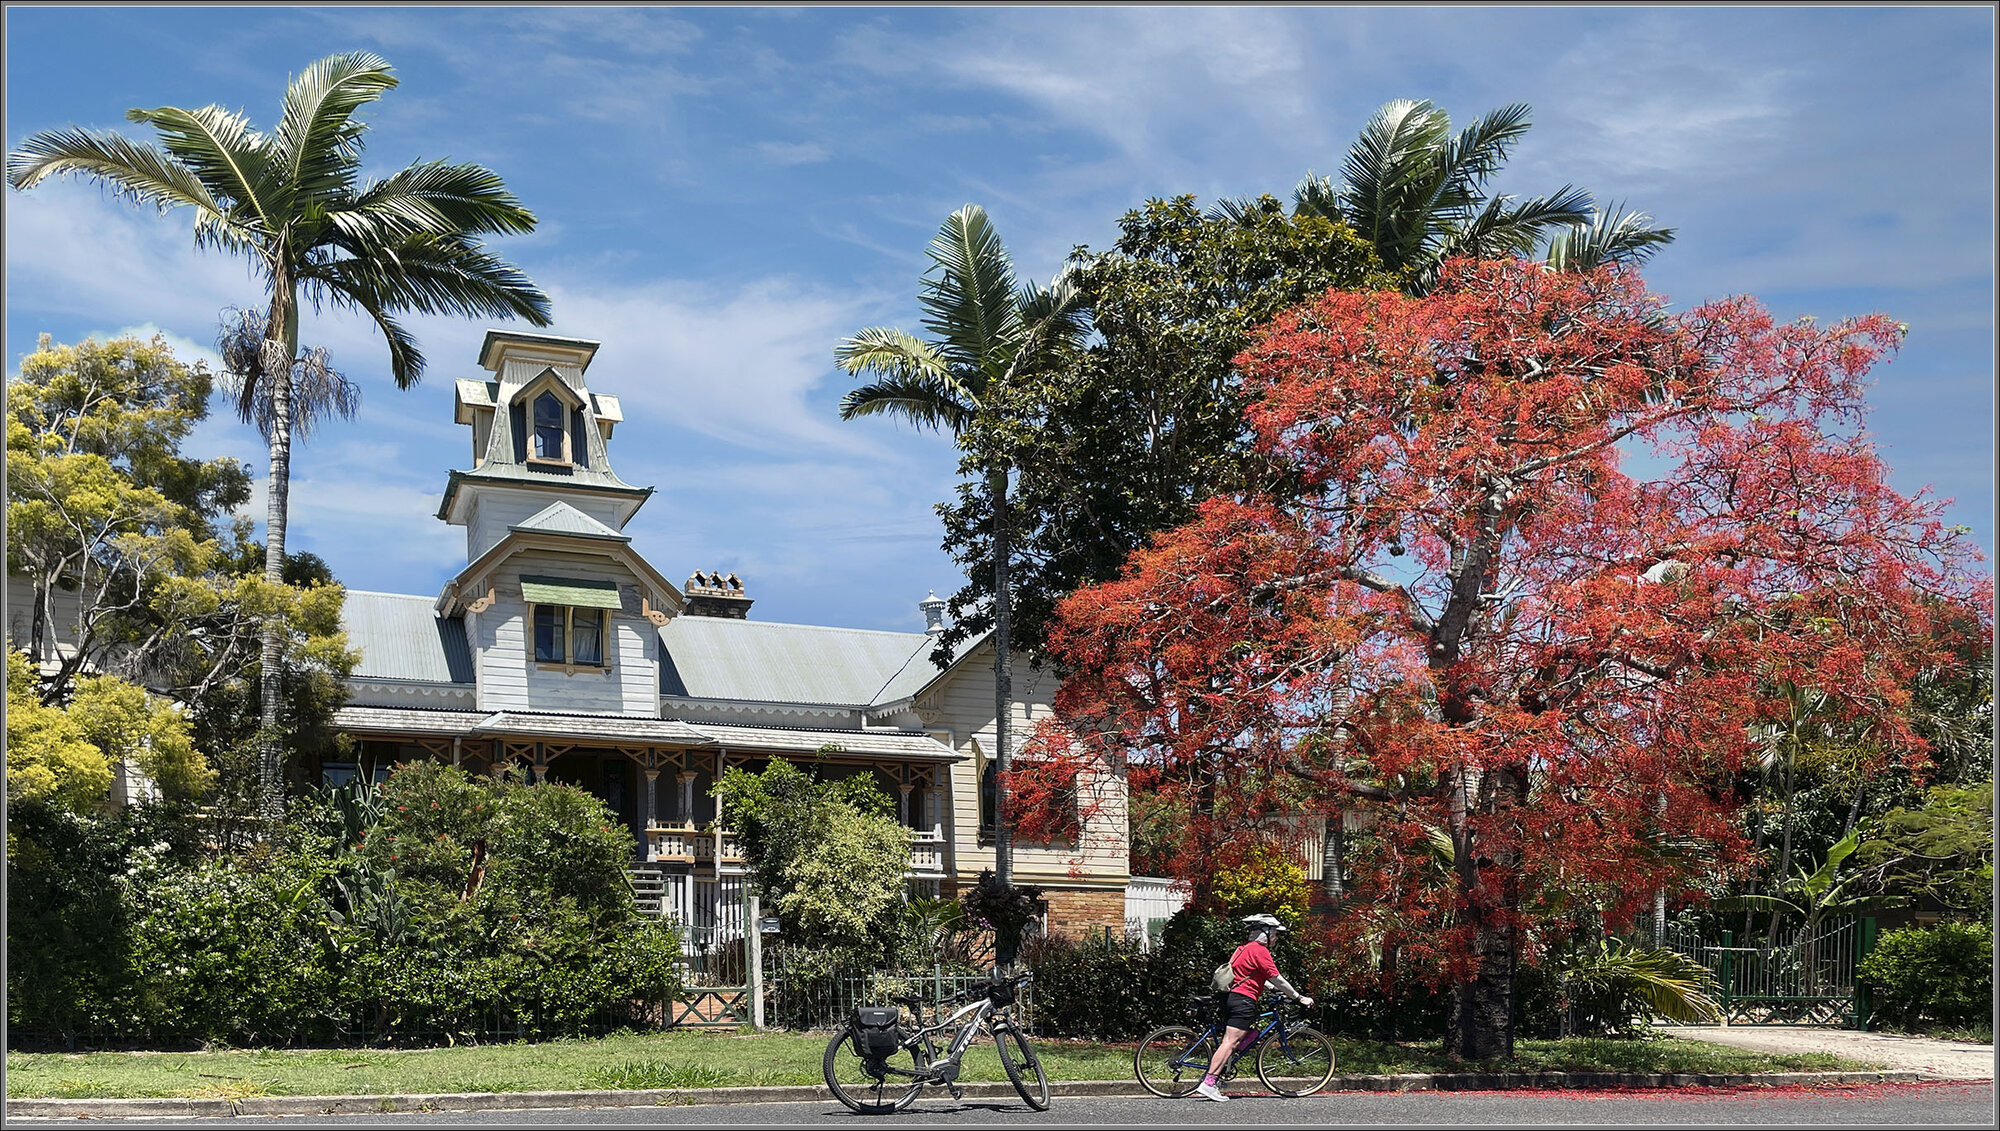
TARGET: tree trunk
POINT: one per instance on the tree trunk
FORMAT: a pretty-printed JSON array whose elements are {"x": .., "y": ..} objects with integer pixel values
[
  {"x": 1482, "y": 1007},
  {"x": 280, "y": 338},
  {"x": 1003, "y": 681}
]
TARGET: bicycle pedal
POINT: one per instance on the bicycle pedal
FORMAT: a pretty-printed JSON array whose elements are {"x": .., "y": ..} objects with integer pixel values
[{"x": 957, "y": 1092}]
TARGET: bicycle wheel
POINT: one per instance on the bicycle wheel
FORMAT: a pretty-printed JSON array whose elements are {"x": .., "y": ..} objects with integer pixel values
[
  {"x": 1171, "y": 1061},
  {"x": 1023, "y": 1067},
  {"x": 871, "y": 1088},
  {"x": 1297, "y": 1064}
]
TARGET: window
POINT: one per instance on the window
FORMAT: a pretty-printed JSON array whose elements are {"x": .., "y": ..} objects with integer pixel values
[
  {"x": 551, "y": 429},
  {"x": 565, "y": 634}
]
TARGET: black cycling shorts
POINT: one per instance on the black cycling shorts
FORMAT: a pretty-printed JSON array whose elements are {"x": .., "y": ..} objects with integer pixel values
[{"x": 1239, "y": 1011}]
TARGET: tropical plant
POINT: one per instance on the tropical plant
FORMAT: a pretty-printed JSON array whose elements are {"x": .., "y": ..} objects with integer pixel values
[
  {"x": 1416, "y": 191},
  {"x": 1611, "y": 985},
  {"x": 292, "y": 201},
  {"x": 1813, "y": 892},
  {"x": 986, "y": 332}
]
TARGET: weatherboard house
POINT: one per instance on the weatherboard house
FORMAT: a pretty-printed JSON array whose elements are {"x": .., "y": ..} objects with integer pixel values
[{"x": 560, "y": 650}]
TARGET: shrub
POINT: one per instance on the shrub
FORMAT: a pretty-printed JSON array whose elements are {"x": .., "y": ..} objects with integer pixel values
[
  {"x": 1932, "y": 977},
  {"x": 1266, "y": 879},
  {"x": 235, "y": 950}
]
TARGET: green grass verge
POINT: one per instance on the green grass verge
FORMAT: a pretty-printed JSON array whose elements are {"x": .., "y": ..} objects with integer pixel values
[{"x": 709, "y": 1060}]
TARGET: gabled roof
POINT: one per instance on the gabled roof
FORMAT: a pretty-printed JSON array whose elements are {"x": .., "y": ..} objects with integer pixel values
[
  {"x": 768, "y": 662},
  {"x": 561, "y": 518},
  {"x": 401, "y": 637},
  {"x": 808, "y": 665}
]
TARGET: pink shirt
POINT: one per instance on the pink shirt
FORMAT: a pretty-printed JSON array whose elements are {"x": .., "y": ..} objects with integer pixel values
[{"x": 1253, "y": 966}]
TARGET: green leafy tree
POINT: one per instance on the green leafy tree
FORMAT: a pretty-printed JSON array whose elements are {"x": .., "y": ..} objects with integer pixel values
[
  {"x": 102, "y": 506},
  {"x": 293, "y": 202},
  {"x": 1128, "y": 436},
  {"x": 825, "y": 855},
  {"x": 1942, "y": 849},
  {"x": 988, "y": 333}
]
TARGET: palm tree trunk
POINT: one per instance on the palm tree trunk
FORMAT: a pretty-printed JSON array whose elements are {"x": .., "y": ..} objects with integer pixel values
[
  {"x": 1003, "y": 681},
  {"x": 279, "y": 334}
]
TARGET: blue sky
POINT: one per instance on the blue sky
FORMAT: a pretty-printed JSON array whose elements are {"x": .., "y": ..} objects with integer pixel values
[{"x": 726, "y": 192}]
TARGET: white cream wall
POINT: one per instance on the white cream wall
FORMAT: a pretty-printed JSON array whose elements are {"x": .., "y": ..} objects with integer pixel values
[
  {"x": 497, "y": 508},
  {"x": 509, "y": 678},
  {"x": 965, "y": 708}
]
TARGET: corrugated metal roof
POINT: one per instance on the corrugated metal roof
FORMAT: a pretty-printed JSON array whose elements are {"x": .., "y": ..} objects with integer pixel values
[
  {"x": 767, "y": 662},
  {"x": 400, "y": 636},
  {"x": 586, "y": 728},
  {"x": 405, "y": 720},
  {"x": 895, "y": 744},
  {"x": 561, "y": 518}
]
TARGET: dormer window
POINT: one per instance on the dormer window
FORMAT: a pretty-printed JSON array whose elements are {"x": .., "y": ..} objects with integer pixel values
[
  {"x": 551, "y": 429},
  {"x": 569, "y": 617}
]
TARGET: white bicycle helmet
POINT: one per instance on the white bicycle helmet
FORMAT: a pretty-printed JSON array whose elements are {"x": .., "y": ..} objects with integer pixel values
[{"x": 1263, "y": 923}]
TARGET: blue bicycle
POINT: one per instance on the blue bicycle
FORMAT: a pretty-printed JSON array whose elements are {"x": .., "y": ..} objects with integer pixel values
[{"x": 1292, "y": 1060}]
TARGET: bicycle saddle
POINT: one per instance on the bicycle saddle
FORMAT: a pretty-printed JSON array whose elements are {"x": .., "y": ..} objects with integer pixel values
[{"x": 912, "y": 1000}]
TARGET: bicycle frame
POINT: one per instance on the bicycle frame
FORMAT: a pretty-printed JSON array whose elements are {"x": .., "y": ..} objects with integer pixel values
[
  {"x": 969, "y": 1019},
  {"x": 1256, "y": 1037}
]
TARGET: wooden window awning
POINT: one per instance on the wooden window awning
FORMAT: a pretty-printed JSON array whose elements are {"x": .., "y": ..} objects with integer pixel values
[{"x": 570, "y": 591}]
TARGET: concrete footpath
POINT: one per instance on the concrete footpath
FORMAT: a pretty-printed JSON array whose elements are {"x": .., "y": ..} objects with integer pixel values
[
  {"x": 532, "y": 1101},
  {"x": 1934, "y": 1059}
]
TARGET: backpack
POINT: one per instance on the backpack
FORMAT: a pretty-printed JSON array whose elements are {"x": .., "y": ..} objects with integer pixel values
[{"x": 1225, "y": 974}]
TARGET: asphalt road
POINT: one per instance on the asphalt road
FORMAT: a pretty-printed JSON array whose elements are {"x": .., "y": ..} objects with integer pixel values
[{"x": 1940, "y": 1104}]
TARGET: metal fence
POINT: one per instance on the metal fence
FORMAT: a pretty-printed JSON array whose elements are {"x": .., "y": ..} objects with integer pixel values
[
  {"x": 804, "y": 1000},
  {"x": 1805, "y": 976}
]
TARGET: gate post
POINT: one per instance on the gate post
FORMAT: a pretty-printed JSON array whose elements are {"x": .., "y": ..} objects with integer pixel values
[
  {"x": 753, "y": 954},
  {"x": 1728, "y": 972},
  {"x": 1864, "y": 1002}
]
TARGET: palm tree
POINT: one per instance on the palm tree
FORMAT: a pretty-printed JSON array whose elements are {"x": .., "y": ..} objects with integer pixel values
[
  {"x": 1417, "y": 192},
  {"x": 293, "y": 203},
  {"x": 986, "y": 331}
]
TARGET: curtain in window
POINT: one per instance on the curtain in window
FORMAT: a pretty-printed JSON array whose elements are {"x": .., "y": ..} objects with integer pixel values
[{"x": 586, "y": 635}]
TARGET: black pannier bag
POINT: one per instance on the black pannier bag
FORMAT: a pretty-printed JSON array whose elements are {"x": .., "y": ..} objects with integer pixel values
[{"x": 875, "y": 1031}]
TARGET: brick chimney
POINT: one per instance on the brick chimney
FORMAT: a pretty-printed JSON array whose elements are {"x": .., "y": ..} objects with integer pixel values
[{"x": 716, "y": 595}]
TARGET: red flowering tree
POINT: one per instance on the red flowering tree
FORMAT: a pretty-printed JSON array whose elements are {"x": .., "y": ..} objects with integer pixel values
[{"x": 1535, "y": 559}]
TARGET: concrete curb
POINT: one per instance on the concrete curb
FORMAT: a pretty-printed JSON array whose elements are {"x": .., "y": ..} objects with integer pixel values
[{"x": 659, "y": 1097}]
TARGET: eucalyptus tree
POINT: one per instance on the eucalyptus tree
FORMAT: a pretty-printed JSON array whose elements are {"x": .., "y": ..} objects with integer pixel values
[
  {"x": 987, "y": 332},
  {"x": 293, "y": 202},
  {"x": 1417, "y": 192}
]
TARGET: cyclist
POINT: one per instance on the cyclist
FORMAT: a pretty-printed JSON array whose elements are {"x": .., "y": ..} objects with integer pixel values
[{"x": 1254, "y": 969}]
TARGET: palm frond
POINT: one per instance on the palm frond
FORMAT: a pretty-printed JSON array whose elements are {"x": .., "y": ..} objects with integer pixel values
[
  {"x": 1614, "y": 236},
  {"x": 430, "y": 275},
  {"x": 928, "y": 402},
  {"x": 318, "y": 139},
  {"x": 225, "y": 154},
  {"x": 1503, "y": 228},
  {"x": 969, "y": 304},
  {"x": 1317, "y": 196},
  {"x": 140, "y": 172},
  {"x": 1050, "y": 318},
  {"x": 1391, "y": 172},
  {"x": 439, "y": 197},
  {"x": 1477, "y": 152},
  {"x": 1658, "y": 982},
  {"x": 1242, "y": 209},
  {"x": 890, "y": 353}
]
